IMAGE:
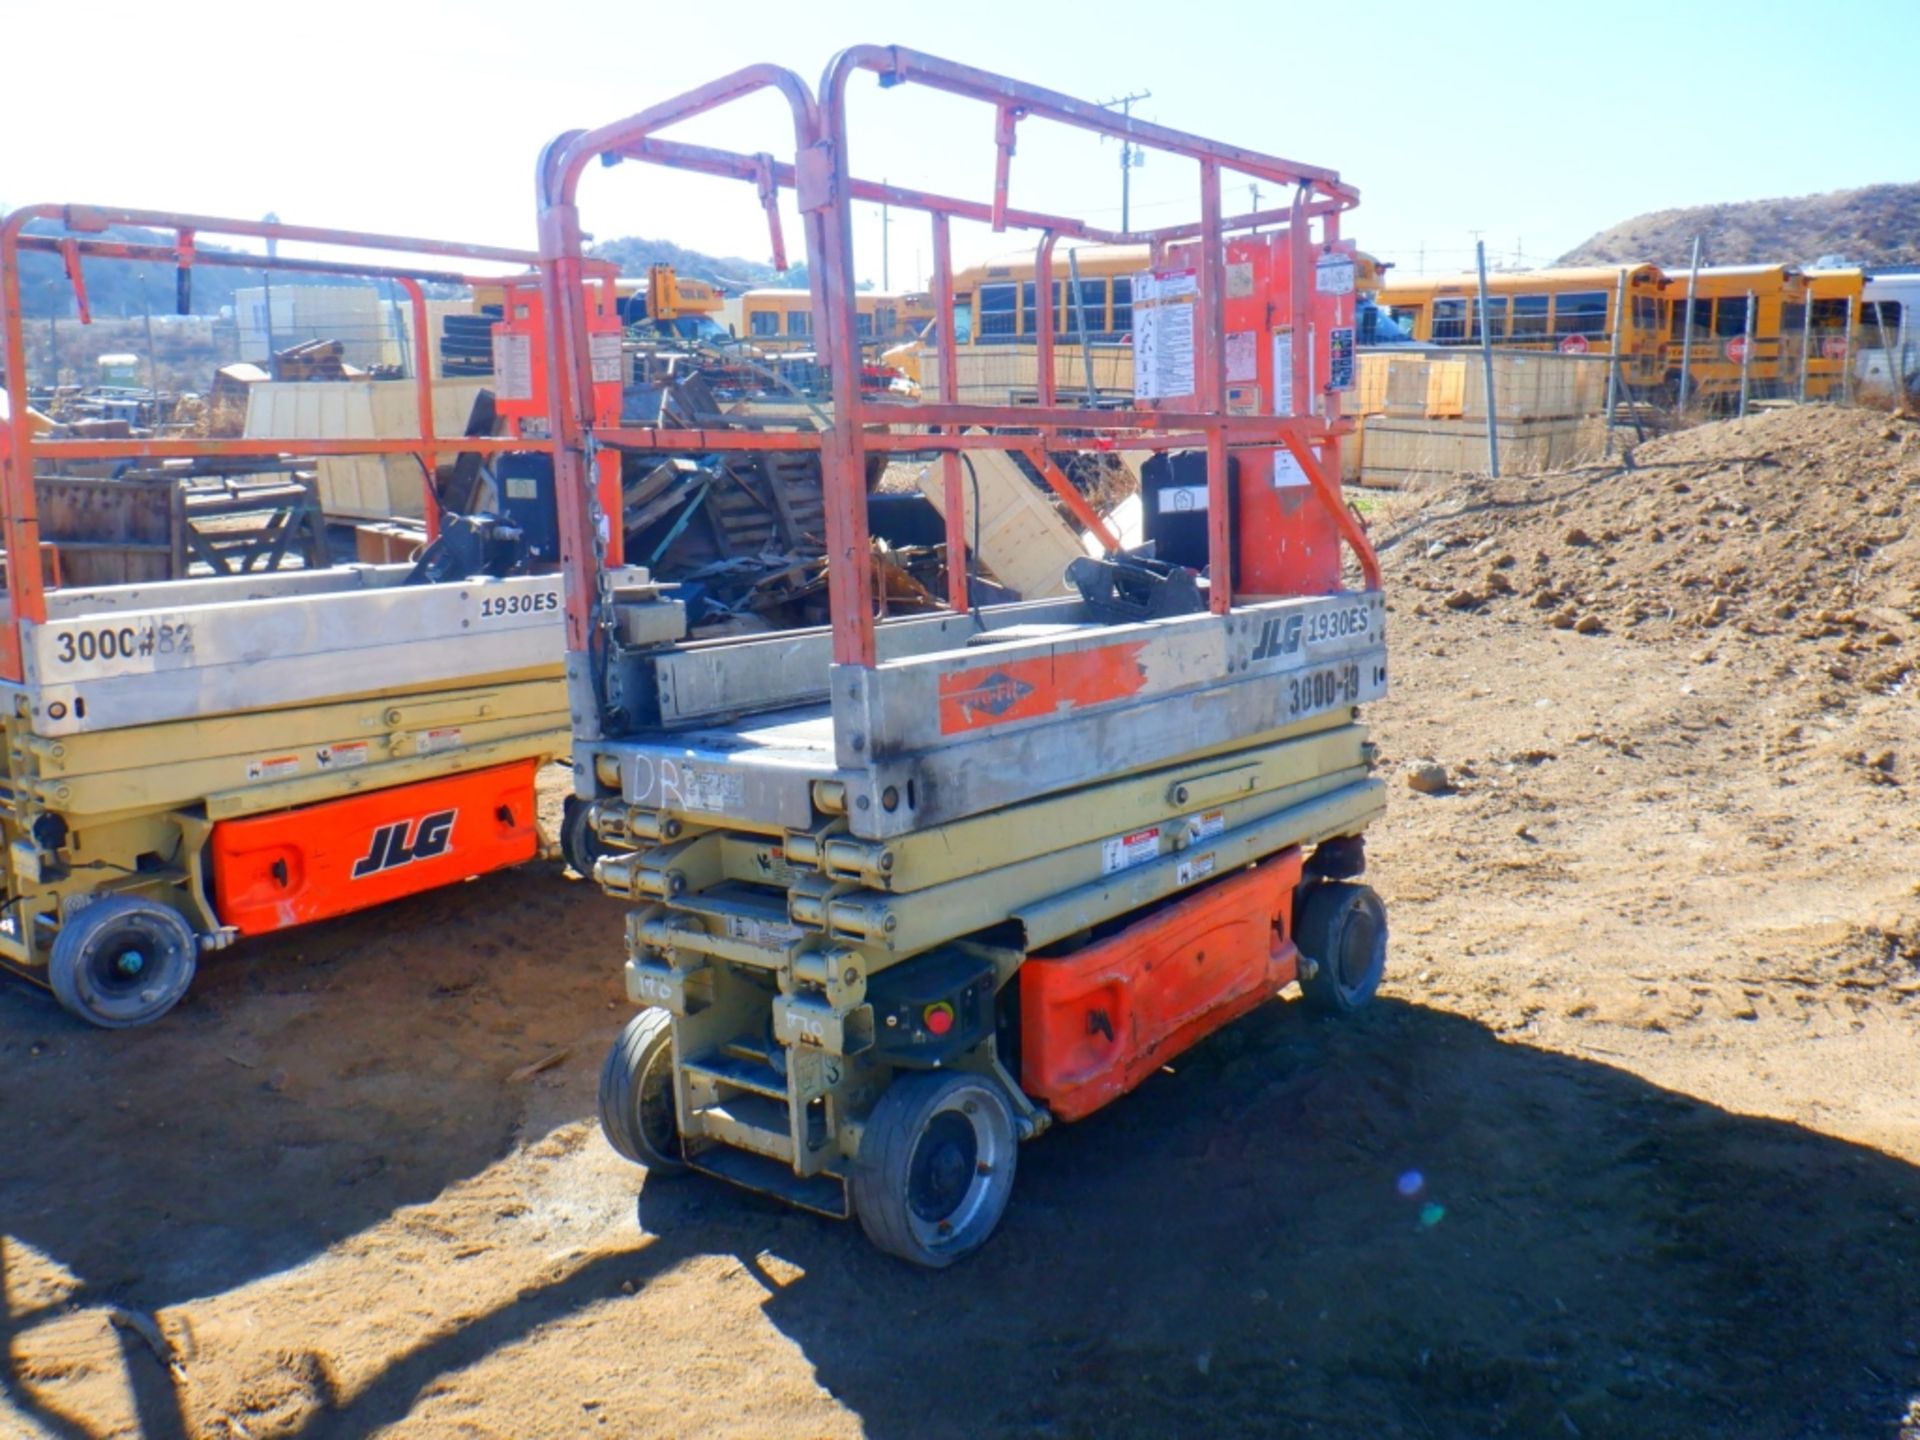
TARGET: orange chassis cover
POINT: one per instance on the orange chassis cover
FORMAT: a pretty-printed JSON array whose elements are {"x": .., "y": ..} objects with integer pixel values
[
  {"x": 1095, "y": 1023},
  {"x": 291, "y": 866}
]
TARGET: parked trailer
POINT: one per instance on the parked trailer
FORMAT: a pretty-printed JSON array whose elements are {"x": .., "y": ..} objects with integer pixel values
[
  {"x": 904, "y": 893},
  {"x": 193, "y": 761}
]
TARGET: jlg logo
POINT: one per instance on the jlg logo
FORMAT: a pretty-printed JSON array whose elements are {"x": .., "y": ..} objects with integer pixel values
[
  {"x": 392, "y": 849},
  {"x": 1277, "y": 637}
]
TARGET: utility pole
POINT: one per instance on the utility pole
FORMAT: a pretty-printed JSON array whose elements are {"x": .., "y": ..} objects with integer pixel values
[
  {"x": 1253, "y": 192},
  {"x": 266, "y": 288},
  {"x": 1130, "y": 154},
  {"x": 886, "y": 228}
]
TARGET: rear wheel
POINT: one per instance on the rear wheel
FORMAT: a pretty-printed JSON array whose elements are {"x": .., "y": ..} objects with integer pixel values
[
  {"x": 579, "y": 845},
  {"x": 1341, "y": 929},
  {"x": 637, "y": 1112},
  {"x": 122, "y": 961},
  {"x": 936, "y": 1166}
]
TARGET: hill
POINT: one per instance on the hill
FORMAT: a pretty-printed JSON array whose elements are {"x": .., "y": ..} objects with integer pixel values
[
  {"x": 634, "y": 253},
  {"x": 1874, "y": 225}
]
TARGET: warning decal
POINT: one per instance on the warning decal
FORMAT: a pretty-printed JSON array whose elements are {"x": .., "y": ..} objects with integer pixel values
[{"x": 1123, "y": 852}]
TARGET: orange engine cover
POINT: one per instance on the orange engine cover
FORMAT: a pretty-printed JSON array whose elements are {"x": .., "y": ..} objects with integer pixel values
[
  {"x": 1095, "y": 1023},
  {"x": 290, "y": 866}
]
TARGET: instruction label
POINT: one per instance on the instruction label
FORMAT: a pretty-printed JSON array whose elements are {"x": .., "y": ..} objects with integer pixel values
[
  {"x": 715, "y": 790},
  {"x": 1243, "y": 356},
  {"x": 1180, "y": 499},
  {"x": 766, "y": 934},
  {"x": 447, "y": 737},
  {"x": 1287, "y": 470},
  {"x": 1199, "y": 868},
  {"x": 603, "y": 351},
  {"x": 1333, "y": 274},
  {"x": 513, "y": 366},
  {"x": 1283, "y": 372},
  {"x": 1123, "y": 852},
  {"x": 1205, "y": 825},
  {"x": 1340, "y": 366},
  {"x": 273, "y": 767},
  {"x": 342, "y": 757},
  {"x": 1163, "y": 350}
]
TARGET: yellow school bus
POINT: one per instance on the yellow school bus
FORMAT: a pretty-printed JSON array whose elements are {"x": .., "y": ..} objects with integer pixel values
[
  {"x": 1722, "y": 295},
  {"x": 1571, "y": 309},
  {"x": 1833, "y": 313},
  {"x": 775, "y": 319}
]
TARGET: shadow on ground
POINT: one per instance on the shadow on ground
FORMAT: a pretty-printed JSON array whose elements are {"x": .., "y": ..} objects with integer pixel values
[{"x": 1242, "y": 1248}]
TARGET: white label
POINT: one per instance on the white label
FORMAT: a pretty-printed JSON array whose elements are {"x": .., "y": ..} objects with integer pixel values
[
  {"x": 1242, "y": 356},
  {"x": 1163, "y": 349},
  {"x": 1283, "y": 372},
  {"x": 1287, "y": 470},
  {"x": 1123, "y": 852},
  {"x": 767, "y": 934},
  {"x": 341, "y": 757},
  {"x": 716, "y": 790},
  {"x": 1188, "y": 871},
  {"x": 1333, "y": 274},
  {"x": 273, "y": 767},
  {"x": 1206, "y": 825},
  {"x": 604, "y": 353},
  {"x": 445, "y": 738},
  {"x": 513, "y": 366},
  {"x": 1181, "y": 499}
]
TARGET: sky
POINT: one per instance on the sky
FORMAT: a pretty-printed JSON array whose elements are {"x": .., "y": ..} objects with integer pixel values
[{"x": 1530, "y": 126}]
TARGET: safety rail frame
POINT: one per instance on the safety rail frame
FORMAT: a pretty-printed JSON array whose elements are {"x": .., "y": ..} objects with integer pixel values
[
  {"x": 821, "y": 179},
  {"x": 25, "y": 600}
]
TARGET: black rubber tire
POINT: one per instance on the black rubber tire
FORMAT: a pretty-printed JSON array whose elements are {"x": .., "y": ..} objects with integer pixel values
[
  {"x": 929, "y": 1131},
  {"x": 579, "y": 845},
  {"x": 1342, "y": 928},
  {"x": 123, "y": 961},
  {"x": 636, "y": 1094}
]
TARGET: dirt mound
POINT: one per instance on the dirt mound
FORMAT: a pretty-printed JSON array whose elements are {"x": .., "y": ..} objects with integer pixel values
[
  {"x": 1874, "y": 225},
  {"x": 1787, "y": 535}
]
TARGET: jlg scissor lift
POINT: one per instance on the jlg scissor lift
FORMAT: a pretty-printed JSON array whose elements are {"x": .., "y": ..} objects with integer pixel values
[
  {"x": 195, "y": 760},
  {"x": 909, "y": 891}
]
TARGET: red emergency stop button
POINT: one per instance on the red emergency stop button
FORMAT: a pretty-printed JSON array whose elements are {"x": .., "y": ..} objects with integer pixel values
[{"x": 937, "y": 1018}]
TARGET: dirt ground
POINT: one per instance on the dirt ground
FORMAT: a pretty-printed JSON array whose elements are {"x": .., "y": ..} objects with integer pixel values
[{"x": 1629, "y": 1147}]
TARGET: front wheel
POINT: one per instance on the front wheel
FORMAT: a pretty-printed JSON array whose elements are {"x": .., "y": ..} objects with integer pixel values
[
  {"x": 580, "y": 845},
  {"x": 122, "y": 961},
  {"x": 936, "y": 1166},
  {"x": 1341, "y": 929},
  {"x": 637, "y": 1112}
]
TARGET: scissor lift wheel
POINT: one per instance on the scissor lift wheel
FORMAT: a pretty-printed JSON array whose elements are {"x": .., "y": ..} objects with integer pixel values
[
  {"x": 637, "y": 1111},
  {"x": 936, "y": 1166},
  {"x": 579, "y": 845},
  {"x": 1341, "y": 930},
  {"x": 122, "y": 961}
]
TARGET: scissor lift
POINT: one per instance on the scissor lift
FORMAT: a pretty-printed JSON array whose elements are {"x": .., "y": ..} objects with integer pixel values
[
  {"x": 196, "y": 760},
  {"x": 906, "y": 891}
]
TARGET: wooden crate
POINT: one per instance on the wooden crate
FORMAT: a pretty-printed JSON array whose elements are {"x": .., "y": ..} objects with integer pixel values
[{"x": 1400, "y": 451}]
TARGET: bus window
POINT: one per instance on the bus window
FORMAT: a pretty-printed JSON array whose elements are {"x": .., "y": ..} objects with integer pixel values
[
  {"x": 963, "y": 320},
  {"x": 1830, "y": 314},
  {"x": 885, "y": 320},
  {"x": 1730, "y": 317},
  {"x": 1645, "y": 313},
  {"x": 863, "y": 324},
  {"x": 764, "y": 323},
  {"x": 1581, "y": 312},
  {"x": 1029, "y": 312},
  {"x": 799, "y": 322},
  {"x": 1877, "y": 314},
  {"x": 1093, "y": 305},
  {"x": 1497, "y": 313},
  {"x": 1793, "y": 317},
  {"x": 1122, "y": 323},
  {"x": 1407, "y": 317},
  {"x": 1449, "y": 322},
  {"x": 1702, "y": 317},
  {"x": 997, "y": 315},
  {"x": 1529, "y": 316}
]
